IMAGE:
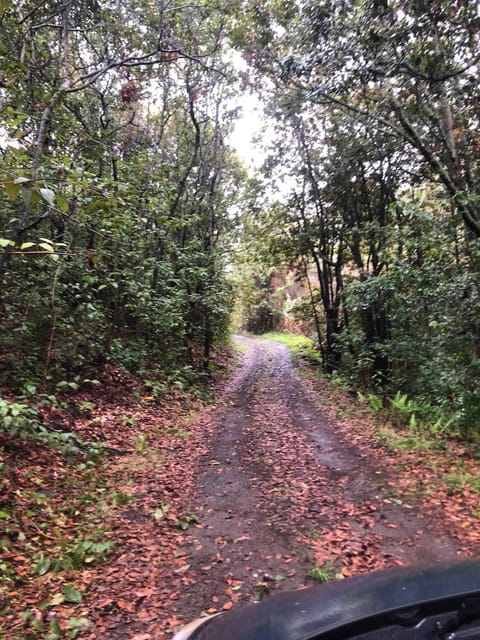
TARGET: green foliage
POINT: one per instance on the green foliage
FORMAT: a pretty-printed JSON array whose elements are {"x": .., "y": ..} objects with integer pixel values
[
  {"x": 432, "y": 301},
  {"x": 156, "y": 388},
  {"x": 140, "y": 444},
  {"x": 84, "y": 553},
  {"x": 298, "y": 345},
  {"x": 119, "y": 498},
  {"x": 21, "y": 421},
  {"x": 261, "y": 309},
  {"x": 81, "y": 554},
  {"x": 458, "y": 482},
  {"x": 185, "y": 521},
  {"x": 129, "y": 421},
  {"x": 74, "y": 627},
  {"x": 114, "y": 212},
  {"x": 7, "y": 575},
  {"x": 179, "y": 433},
  {"x": 374, "y": 402},
  {"x": 18, "y": 420},
  {"x": 378, "y": 156},
  {"x": 161, "y": 511},
  {"x": 411, "y": 440},
  {"x": 403, "y": 406},
  {"x": 420, "y": 419},
  {"x": 323, "y": 573}
]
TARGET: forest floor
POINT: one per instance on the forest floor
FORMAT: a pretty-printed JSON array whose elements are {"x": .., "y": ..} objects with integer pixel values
[{"x": 284, "y": 480}]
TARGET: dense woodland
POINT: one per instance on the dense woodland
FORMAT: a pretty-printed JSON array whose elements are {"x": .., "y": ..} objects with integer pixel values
[
  {"x": 134, "y": 241},
  {"x": 377, "y": 147},
  {"x": 116, "y": 183},
  {"x": 123, "y": 205}
]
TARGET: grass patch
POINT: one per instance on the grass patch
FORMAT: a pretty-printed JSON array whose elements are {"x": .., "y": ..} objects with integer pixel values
[
  {"x": 298, "y": 345},
  {"x": 395, "y": 439},
  {"x": 239, "y": 347},
  {"x": 324, "y": 572},
  {"x": 458, "y": 482}
]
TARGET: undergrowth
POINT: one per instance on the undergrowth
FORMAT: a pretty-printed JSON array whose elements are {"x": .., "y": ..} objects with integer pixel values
[
  {"x": 298, "y": 345},
  {"x": 58, "y": 492}
]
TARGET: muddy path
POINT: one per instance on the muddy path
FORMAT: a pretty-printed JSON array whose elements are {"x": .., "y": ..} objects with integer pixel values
[{"x": 283, "y": 490}]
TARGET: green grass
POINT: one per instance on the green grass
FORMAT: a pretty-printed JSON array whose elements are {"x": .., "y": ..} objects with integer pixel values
[
  {"x": 239, "y": 347},
  {"x": 458, "y": 482},
  {"x": 298, "y": 345},
  {"x": 323, "y": 573},
  {"x": 395, "y": 438}
]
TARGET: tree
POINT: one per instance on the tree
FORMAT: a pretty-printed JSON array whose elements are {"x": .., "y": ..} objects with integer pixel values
[
  {"x": 374, "y": 104},
  {"x": 405, "y": 67},
  {"x": 117, "y": 182}
]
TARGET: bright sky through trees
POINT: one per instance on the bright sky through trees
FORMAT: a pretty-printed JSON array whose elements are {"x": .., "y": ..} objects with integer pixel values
[{"x": 247, "y": 132}]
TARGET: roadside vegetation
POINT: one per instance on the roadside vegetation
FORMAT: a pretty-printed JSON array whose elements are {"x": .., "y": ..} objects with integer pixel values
[
  {"x": 373, "y": 249},
  {"x": 130, "y": 233},
  {"x": 82, "y": 523},
  {"x": 437, "y": 463},
  {"x": 298, "y": 345}
]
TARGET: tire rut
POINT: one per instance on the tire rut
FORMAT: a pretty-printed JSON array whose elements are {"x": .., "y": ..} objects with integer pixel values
[{"x": 274, "y": 484}]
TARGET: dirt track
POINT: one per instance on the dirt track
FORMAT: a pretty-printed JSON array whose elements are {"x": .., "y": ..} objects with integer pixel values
[{"x": 283, "y": 489}]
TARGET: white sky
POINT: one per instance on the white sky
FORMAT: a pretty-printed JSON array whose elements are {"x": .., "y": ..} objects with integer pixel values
[
  {"x": 253, "y": 131},
  {"x": 250, "y": 125}
]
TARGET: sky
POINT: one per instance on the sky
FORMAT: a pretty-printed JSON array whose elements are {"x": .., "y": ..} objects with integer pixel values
[
  {"x": 253, "y": 131},
  {"x": 250, "y": 124}
]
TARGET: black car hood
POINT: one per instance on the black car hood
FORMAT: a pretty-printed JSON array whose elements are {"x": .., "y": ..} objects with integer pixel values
[{"x": 345, "y": 608}]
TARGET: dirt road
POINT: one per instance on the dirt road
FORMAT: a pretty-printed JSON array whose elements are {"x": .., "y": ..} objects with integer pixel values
[
  {"x": 210, "y": 506},
  {"x": 284, "y": 489}
]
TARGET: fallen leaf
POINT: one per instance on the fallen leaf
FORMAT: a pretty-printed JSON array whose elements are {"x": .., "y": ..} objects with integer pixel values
[{"x": 125, "y": 606}]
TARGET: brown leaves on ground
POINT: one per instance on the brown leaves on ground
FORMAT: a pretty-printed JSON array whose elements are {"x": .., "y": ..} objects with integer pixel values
[
  {"x": 94, "y": 550},
  {"x": 319, "y": 485},
  {"x": 437, "y": 476},
  {"x": 303, "y": 499},
  {"x": 104, "y": 551}
]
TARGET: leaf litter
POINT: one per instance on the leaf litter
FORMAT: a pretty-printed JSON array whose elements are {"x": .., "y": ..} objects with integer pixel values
[{"x": 199, "y": 509}]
